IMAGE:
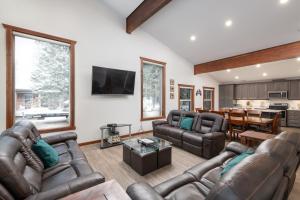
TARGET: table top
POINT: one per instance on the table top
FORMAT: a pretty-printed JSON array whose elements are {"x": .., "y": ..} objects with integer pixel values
[
  {"x": 117, "y": 125},
  {"x": 110, "y": 190},
  {"x": 257, "y": 135},
  {"x": 157, "y": 145},
  {"x": 254, "y": 120}
]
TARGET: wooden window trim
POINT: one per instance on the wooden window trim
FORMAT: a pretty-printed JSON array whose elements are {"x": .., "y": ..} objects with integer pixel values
[
  {"x": 10, "y": 67},
  {"x": 193, "y": 95},
  {"x": 163, "y": 64},
  {"x": 213, "y": 97}
]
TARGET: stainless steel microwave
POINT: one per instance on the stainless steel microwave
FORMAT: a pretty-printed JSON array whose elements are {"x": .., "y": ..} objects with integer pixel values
[{"x": 278, "y": 94}]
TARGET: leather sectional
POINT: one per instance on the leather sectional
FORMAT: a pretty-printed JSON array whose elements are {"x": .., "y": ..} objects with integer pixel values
[
  {"x": 23, "y": 176},
  {"x": 206, "y": 139},
  {"x": 269, "y": 173}
]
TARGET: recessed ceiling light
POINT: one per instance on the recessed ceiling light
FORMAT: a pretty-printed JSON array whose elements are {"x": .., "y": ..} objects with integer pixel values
[
  {"x": 258, "y": 66},
  {"x": 193, "y": 38},
  {"x": 298, "y": 59},
  {"x": 283, "y": 1},
  {"x": 228, "y": 70},
  {"x": 265, "y": 74},
  {"x": 228, "y": 23},
  {"x": 236, "y": 77}
]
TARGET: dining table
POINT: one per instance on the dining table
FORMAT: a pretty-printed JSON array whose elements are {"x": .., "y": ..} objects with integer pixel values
[{"x": 254, "y": 120}]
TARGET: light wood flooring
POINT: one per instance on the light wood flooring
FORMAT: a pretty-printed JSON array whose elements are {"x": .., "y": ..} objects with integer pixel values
[{"x": 110, "y": 163}]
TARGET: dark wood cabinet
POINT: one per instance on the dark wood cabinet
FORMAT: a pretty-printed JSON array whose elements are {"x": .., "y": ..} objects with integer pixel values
[
  {"x": 294, "y": 90},
  {"x": 238, "y": 92},
  {"x": 252, "y": 91},
  {"x": 226, "y": 95},
  {"x": 293, "y": 118},
  {"x": 262, "y": 91},
  {"x": 278, "y": 86}
]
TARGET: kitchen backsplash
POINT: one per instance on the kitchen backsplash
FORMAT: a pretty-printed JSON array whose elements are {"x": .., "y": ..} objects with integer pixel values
[{"x": 293, "y": 104}]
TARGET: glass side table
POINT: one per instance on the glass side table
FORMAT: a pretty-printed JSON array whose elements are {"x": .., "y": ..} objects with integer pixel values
[{"x": 112, "y": 132}]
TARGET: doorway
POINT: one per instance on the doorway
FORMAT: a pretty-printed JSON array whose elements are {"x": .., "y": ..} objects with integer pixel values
[{"x": 186, "y": 97}]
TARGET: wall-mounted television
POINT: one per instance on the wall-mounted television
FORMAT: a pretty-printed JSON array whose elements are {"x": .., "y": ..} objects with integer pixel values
[{"x": 112, "y": 81}]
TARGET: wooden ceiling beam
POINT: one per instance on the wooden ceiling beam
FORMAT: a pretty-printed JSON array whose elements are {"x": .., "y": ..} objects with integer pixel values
[
  {"x": 282, "y": 52},
  {"x": 143, "y": 12}
]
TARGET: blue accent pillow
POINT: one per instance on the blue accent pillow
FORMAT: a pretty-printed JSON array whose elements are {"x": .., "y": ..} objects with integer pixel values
[
  {"x": 236, "y": 160},
  {"x": 46, "y": 153},
  {"x": 186, "y": 123}
]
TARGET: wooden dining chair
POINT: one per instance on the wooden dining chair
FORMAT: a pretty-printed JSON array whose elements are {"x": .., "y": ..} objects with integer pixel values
[
  {"x": 253, "y": 113},
  {"x": 274, "y": 128},
  {"x": 237, "y": 123},
  {"x": 200, "y": 110}
]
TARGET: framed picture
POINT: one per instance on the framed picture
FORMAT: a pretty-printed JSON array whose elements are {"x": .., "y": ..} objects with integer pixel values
[
  {"x": 172, "y": 88},
  {"x": 171, "y": 95},
  {"x": 172, "y": 82}
]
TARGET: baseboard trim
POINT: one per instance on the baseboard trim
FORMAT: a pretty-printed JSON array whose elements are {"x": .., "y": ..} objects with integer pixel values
[{"x": 122, "y": 136}]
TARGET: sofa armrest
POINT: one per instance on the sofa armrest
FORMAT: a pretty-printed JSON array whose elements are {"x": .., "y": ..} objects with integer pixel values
[
  {"x": 71, "y": 187},
  {"x": 213, "y": 144},
  {"x": 237, "y": 148},
  {"x": 61, "y": 137},
  {"x": 142, "y": 191}
]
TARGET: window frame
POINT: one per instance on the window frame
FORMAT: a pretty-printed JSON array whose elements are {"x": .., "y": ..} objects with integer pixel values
[
  {"x": 10, "y": 75},
  {"x": 212, "y": 99},
  {"x": 163, "y": 64},
  {"x": 192, "y": 87}
]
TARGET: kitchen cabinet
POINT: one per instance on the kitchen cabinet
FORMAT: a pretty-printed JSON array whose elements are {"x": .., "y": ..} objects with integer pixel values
[
  {"x": 238, "y": 91},
  {"x": 262, "y": 91},
  {"x": 252, "y": 90},
  {"x": 226, "y": 95},
  {"x": 278, "y": 86},
  {"x": 293, "y": 118},
  {"x": 294, "y": 90}
]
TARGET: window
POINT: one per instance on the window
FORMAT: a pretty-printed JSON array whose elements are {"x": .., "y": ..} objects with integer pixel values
[
  {"x": 208, "y": 98},
  {"x": 40, "y": 74},
  {"x": 186, "y": 97},
  {"x": 153, "y": 89}
]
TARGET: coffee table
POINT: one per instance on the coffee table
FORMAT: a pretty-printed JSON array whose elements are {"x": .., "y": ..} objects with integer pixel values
[
  {"x": 248, "y": 137},
  {"x": 144, "y": 159}
]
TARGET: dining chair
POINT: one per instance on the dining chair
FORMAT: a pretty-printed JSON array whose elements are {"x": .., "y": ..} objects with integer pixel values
[
  {"x": 218, "y": 112},
  {"x": 237, "y": 123},
  {"x": 253, "y": 113},
  {"x": 200, "y": 110},
  {"x": 274, "y": 128}
]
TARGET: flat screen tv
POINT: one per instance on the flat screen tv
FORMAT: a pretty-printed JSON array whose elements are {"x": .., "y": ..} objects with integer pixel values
[{"x": 112, "y": 81}]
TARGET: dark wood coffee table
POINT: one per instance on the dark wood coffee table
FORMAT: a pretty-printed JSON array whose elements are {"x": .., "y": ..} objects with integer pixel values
[
  {"x": 110, "y": 190},
  {"x": 248, "y": 137}
]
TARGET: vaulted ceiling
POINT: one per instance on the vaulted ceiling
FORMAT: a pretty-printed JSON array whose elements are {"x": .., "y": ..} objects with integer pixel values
[{"x": 256, "y": 24}]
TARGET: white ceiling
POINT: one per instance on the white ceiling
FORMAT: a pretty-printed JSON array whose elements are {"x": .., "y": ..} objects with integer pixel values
[
  {"x": 257, "y": 24},
  {"x": 275, "y": 70}
]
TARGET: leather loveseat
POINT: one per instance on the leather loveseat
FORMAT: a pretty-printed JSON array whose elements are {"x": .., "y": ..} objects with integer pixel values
[
  {"x": 22, "y": 173},
  {"x": 267, "y": 174},
  {"x": 206, "y": 139}
]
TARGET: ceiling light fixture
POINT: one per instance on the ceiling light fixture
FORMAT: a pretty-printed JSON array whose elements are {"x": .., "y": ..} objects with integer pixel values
[
  {"x": 283, "y": 1},
  {"x": 228, "y": 23},
  {"x": 258, "y": 66},
  {"x": 265, "y": 74},
  {"x": 228, "y": 70},
  {"x": 236, "y": 77},
  {"x": 298, "y": 59},
  {"x": 193, "y": 38}
]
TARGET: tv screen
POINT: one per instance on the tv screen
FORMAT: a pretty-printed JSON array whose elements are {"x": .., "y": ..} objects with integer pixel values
[{"x": 112, "y": 81}]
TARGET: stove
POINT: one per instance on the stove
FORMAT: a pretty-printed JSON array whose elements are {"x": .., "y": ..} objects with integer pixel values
[{"x": 282, "y": 108}]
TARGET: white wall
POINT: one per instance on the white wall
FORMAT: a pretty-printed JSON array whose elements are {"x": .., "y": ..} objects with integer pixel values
[{"x": 101, "y": 40}]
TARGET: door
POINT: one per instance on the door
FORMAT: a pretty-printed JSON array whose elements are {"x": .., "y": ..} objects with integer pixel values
[
  {"x": 186, "y": 97},
  {"x": 208, "y": 98}
]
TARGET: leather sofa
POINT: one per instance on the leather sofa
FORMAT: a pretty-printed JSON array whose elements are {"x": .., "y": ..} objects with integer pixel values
[
  {"x": 206, "y": 139},
  {"x": 22, "y": 173},
  {"x": 269, "y": 173}
]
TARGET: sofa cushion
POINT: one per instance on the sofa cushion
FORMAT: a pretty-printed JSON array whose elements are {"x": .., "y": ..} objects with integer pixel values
[
  {"x": 170, "y": 131},
  {"x": 46, "y": 153},
  {"x": 292, "y": 138},
  {"x": 174, "y": 118},
  {"x": 186, "y": 123},
  {"x": 192, "y": 137},
  {"x": 191, "y": 191}
]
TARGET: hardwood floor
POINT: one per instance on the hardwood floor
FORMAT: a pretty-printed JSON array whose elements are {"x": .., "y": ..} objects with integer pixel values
[{"x": 110, "y": 163}]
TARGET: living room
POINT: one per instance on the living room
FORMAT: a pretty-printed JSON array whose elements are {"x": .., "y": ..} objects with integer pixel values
[{"x": 57, "y": 59}]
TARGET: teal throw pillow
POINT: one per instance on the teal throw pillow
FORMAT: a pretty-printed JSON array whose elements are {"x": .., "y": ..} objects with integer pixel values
[
  {"x": 186, "y": 123},
  {"x": 46, "y": 153},
  {"x": 236, "y": 160}
]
